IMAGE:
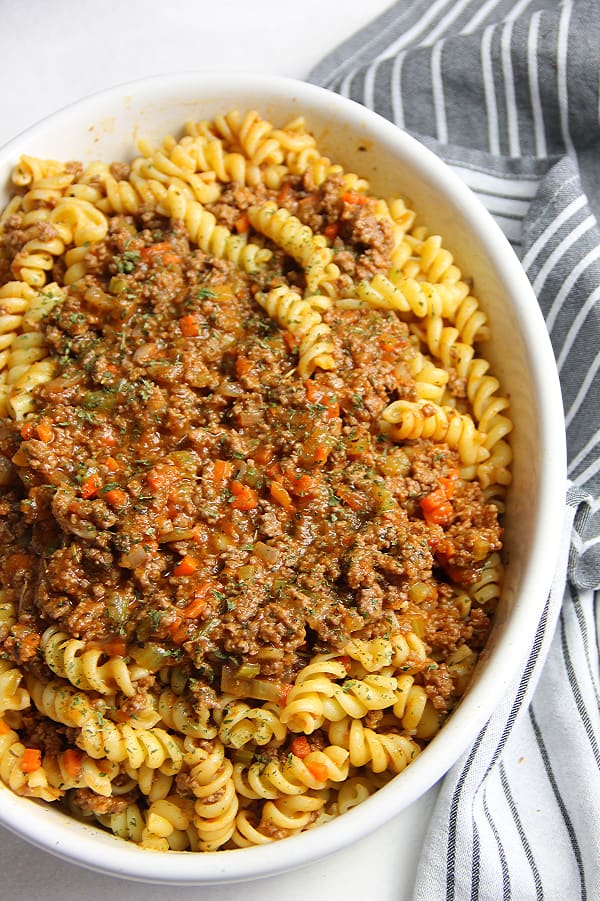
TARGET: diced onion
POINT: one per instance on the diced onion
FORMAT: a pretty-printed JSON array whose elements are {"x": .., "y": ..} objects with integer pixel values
[
  {"x": 176, "y": 535},
  {"x": 134, "y": 557},
  {"x": 151, "y": 656},
  {"x": 265, "y": 552},
  {"x": 261, "y": 689}
]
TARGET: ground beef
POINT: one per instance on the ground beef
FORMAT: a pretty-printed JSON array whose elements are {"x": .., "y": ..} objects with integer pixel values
[{"x": 91, "y": 803}]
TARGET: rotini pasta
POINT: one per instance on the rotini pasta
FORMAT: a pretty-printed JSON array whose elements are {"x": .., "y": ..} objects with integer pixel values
[{"x": 252, "y": 461}]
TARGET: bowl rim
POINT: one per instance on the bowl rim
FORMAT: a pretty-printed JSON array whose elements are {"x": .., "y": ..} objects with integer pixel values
[{"x": 64, "y": 837}]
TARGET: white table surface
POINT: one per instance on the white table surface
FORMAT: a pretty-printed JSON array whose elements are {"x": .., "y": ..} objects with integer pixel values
[{"x": 53, "y": 53}]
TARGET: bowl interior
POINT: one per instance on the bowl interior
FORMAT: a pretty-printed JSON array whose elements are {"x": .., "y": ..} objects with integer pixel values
[{"x": 106, "y": 127}]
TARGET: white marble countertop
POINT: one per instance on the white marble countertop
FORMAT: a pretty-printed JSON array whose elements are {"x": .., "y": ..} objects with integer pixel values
[{"x": 50, "y": 55}]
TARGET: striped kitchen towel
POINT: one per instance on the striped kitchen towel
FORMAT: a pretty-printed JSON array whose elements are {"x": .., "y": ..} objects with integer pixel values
[{"x": 507, "y": 93}]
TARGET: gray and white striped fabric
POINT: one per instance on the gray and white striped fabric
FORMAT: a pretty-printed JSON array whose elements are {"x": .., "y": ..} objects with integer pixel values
[{"x": 508, "y": 94}]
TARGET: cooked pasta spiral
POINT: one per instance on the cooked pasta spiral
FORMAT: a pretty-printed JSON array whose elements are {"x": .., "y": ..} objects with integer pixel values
[
  {"x": 155, "y": 748},
  {"x": 36, "y": 258},
  {"x": 179, "y": 714},
  {"x": 129, "y": 824},
  {"x": 286, "y": 816},
  {"x": 298, "y": 240},
  {"x": 152, "y": 783},
  {"x": 31, "y": 169},
  {"x": 373, "y": 655},
  {"x": 407, "y": 420},
  {"x": 430, "y": 380},
  {"x": 216, "y": 802},
  {"x": 13, "y": 696},
  {"x": 488, "y": 587},
  {"x": 65, "y": 771},
  {"x": 355, "y": 697},
  {"x": 488, "y": 409},
  {"x": 169, "y": 825},
  {"x": 414, "y": 709},
  {"x": 14, "y": 300},
  {"x": 380, "y": 751},
  {"x": 68, "y": 658},
  {"x": 239, "y": 724},
  {"x": 297, "y": 315},
  {"x": 8, "y": 612},
  {"x": 86, "y": 222},
  {"x": 303, "y": 711},
  {"x": 204, "y": 231},
  {"x": 22, "y": 779},
  {"x": 293, "y": 775},
  {"x": 61, "y": 703}
]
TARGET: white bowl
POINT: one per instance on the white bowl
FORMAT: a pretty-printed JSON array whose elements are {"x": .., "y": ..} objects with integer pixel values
[{"x": 105, "y": 126}]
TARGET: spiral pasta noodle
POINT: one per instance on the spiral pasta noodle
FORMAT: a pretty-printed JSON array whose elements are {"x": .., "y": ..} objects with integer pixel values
[
  {"x": 300, "y": 318},
  {"x": 380, "y": 751},
  {"x": 17, "y": 774},
  {"x": 298, "y": 240},
  {"x": 69, "y": 659},
  {"x": 409, "y": 420}
]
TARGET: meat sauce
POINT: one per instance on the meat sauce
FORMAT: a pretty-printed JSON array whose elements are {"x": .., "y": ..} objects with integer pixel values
[{"x": 181, "y": 496}]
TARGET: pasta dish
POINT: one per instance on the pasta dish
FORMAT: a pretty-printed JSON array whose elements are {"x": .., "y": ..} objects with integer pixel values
[{"x": 252, "y": 467}]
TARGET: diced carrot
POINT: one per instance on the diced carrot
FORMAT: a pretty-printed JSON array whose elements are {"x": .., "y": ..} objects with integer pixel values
[
  {"x": 312, "y": 394},
  {"x": 31, "y": 760},
  {"x": 186, "y": 566},
  {"x": 242, "y": 223},
  {"x": 116, "y": 497},
  {"x": 448, "y": 483},
  {"x": 354, "y": 197},
  {"x": 91, "y": 486},
  {"x": 244, "y": 497},
  {"x": 291, "y": 341},
  {"x": 178, "y": 632},
  {"x": 195, "y": 607},
  {"x": 331, "y": 231},
  {"x": 283, "y": 694},
  {"x": 72, "y": 761},
  {"x": 27, "y": 431},
  {"x": 387, "y": 346},
  {"x": 318, "y": 770},
  {"x": 302, "y": 484},
  {"x": 300, "y": 746},
  {"x": 279, "y": 494},
  {"x": 4, "y": 728},
  {"x": 189, "y": 326},
  {"x": 115, "y": 648},
  {"x": 242, "y": 366},
  {"x": 351, "y": 500},
  {"x": 317, "y": 394},
  {"x": 162, "y": 249},
  {"x": 44, "y": 431},
  {"x": 222, "y": 470},
  {"x": 112, "y": 465},
  {"x": 156, "y": 479},
  {"x": 320, "y": 455},
  {"x": 436, "y": 507},
  {"x": 262, "y": 454}
]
